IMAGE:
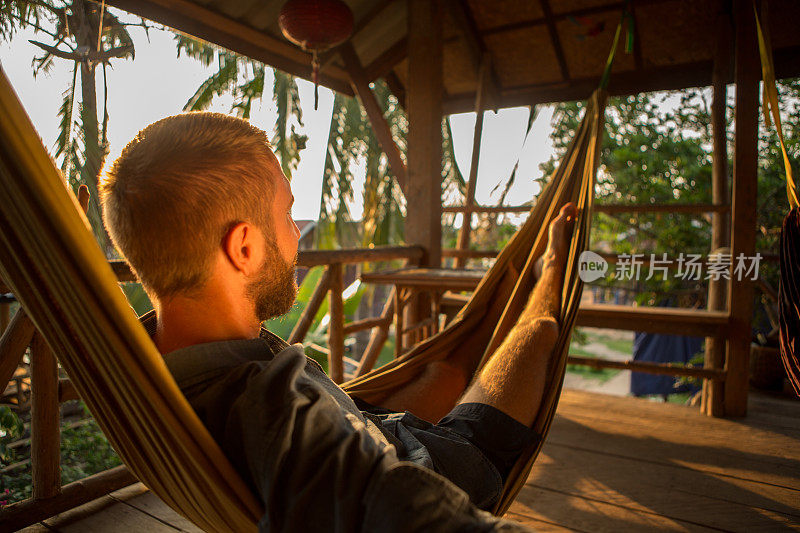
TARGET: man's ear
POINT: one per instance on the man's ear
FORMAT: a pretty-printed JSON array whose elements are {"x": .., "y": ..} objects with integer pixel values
[{"x": 241, "y": 246}]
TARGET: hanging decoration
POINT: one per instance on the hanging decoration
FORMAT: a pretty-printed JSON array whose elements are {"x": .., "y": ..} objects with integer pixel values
[{"x": 316, "y": 26}]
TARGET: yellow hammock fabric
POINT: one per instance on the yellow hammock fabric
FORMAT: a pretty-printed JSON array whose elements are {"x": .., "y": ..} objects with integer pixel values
[
  {"x": 49, "y": 258},
  {"x": 483, "y": 323}
]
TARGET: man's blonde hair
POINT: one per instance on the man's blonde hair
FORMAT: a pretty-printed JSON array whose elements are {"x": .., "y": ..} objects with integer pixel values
[{"x": 177, "y": 188}]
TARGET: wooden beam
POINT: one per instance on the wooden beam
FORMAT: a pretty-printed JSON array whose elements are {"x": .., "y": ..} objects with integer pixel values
[
  {"x": 745, "y": 191},
  {"x": 307, "y": 318},
  {"x": 378, "y": 338},
  {"x": 576, "y": 13},
  {"x": 380, "y": 126},
  {"x": 384, "y": 63},
  {"x": 365, "y": 323},
  {"x": 376, "y": 9},
  {"x": 713, "y": 401},
  {"x": 695, "y": 74},
  {"x": 554, "y": 39},
  {"x": 662, "y": 369},
  {"x": 608, "y": 208},
  {"x": 469, "y": 198},
  {"x": 396, "y": 86},
  {"x": 653, "y": 319},
  {"x": 424, "y": 99},
  {"x": 45, "y": 422},
  {"x": 199, "y": 21},
  {"x": 462, "y": 17},
  {"x": 336, "y": 325},
  {"x": 13, "y": 343}
]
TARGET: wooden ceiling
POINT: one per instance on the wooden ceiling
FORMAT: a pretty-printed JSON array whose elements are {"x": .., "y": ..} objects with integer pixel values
[{"x": 539, "y": 50}]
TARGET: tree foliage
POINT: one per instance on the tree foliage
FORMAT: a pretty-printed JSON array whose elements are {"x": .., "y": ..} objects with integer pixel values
[
  {"x": 89, "y": 36},
  {"x": 657, "y": 149}
]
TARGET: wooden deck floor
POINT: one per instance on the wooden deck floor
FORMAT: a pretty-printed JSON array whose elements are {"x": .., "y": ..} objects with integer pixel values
[{"x": 609, "y": 464}]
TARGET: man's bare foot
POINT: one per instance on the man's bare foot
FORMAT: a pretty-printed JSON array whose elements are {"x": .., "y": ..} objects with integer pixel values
[{"x": 560, "y": 235}]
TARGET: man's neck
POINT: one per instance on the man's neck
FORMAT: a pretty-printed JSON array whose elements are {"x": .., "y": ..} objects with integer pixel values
[{"x": 185, "y": 322}]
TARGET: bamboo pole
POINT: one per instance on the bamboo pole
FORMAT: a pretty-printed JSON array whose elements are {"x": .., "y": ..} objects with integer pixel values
[
  {"x": 745, "y": 191},
  {"x": 13, "y": 343},
  {"x": 469, "y": 199},
  {"x": 307, "y": 318},
  {"x": 712, "y": 402},
  {"x": 378, "y": 338},
  {"x": 45, "y": 420},
  {"x": 336, "y": 325}
]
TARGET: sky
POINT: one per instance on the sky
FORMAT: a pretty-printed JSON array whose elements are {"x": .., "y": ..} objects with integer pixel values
[{"x": 158, "y": 83}]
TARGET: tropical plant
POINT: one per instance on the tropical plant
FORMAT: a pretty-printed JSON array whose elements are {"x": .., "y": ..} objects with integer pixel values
[{"x": 89, "y": 36}]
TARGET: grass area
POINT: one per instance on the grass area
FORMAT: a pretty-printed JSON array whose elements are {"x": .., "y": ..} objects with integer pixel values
[{"x": 580, "y": 346}]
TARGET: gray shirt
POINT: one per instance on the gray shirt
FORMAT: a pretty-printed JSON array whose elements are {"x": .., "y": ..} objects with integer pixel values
[{"x": 299, "y": 441}]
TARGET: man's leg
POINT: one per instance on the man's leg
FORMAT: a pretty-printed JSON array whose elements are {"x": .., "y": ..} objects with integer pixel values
[
  {"x": 513, "y": 379},
  {"x": 524, "y": 353}
]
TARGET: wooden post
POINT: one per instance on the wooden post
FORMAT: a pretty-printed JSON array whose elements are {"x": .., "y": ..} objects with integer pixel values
[
  {"x": 424, "y": 142},
  {"x": 13, "y": 343},
  {"x": 307, "y": 318},
  {"x": 336, "y": 325},
  {"x": 713, "y": 391},
  {"x": 360, "y": 83},
  {"x": 5, "y": 315},
  {"x": 377, "y": 338},
  {"x": 45, "y": 421},
  {"x": 745, "y": 190},
  {"x": 469, "y": 199}
]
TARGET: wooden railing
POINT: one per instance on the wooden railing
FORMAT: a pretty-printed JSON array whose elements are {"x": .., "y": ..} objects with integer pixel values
[
  {"x": 714, "y": 323},
  {"x": 49, "y": 497}
]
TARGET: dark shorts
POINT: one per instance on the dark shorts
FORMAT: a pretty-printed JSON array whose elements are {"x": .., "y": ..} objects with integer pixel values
[{"x": 475, "y": 445}]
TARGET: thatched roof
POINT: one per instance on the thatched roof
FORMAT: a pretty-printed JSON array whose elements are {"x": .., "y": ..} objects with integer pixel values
[{"x": 540, "y": 50}]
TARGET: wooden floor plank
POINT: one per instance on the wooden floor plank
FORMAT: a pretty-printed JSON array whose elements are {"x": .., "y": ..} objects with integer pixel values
[
  {"x": 119, "y": 518},
  {"x": 582, "y": 514},
  {"x": 671, "y": 434},
  {"x": 675, "y": 493},
  {"x": 150, "y": 503}
]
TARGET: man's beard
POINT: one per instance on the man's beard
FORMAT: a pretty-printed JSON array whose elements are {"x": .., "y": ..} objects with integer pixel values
[{"x": 274, "y": 288}]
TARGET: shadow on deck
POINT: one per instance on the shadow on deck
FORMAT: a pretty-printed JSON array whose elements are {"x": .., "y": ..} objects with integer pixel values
[{"x": 609, "y": 464}]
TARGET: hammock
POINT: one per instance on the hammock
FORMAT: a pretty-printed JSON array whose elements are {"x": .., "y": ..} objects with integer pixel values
[
  {"x": 789, "y": 288},
  {"x": 51, "y": 261}
]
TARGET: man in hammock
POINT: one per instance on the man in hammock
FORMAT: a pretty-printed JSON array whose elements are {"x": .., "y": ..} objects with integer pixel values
[{"x": 198, "y": 205}]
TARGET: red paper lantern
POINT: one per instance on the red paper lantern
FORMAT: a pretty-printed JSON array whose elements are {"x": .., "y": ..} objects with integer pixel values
[{"x": 315, "y": 26}]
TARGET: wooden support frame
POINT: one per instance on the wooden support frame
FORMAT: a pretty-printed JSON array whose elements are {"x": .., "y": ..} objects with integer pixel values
[
  {"x": 661, "y": 369},
  {"x": 745, "y": 191},
  {"x": 336, "y": 324},
  {"x": 469, "y": 198},
  {"x": 307, "y": 318},
  {"x": 554, "y": 39},
  {"x": 378, "y": 338},
  {"x": 45, "y": 422},
  {"x": 713, "y": 401},
  {"x": 13, "y": 344},
  {"x": 459, "y": 12},
  {"x": 202, "y": 22},
  {"x": 380, "y": 126},
  {"x": 607, "y": 208}
]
